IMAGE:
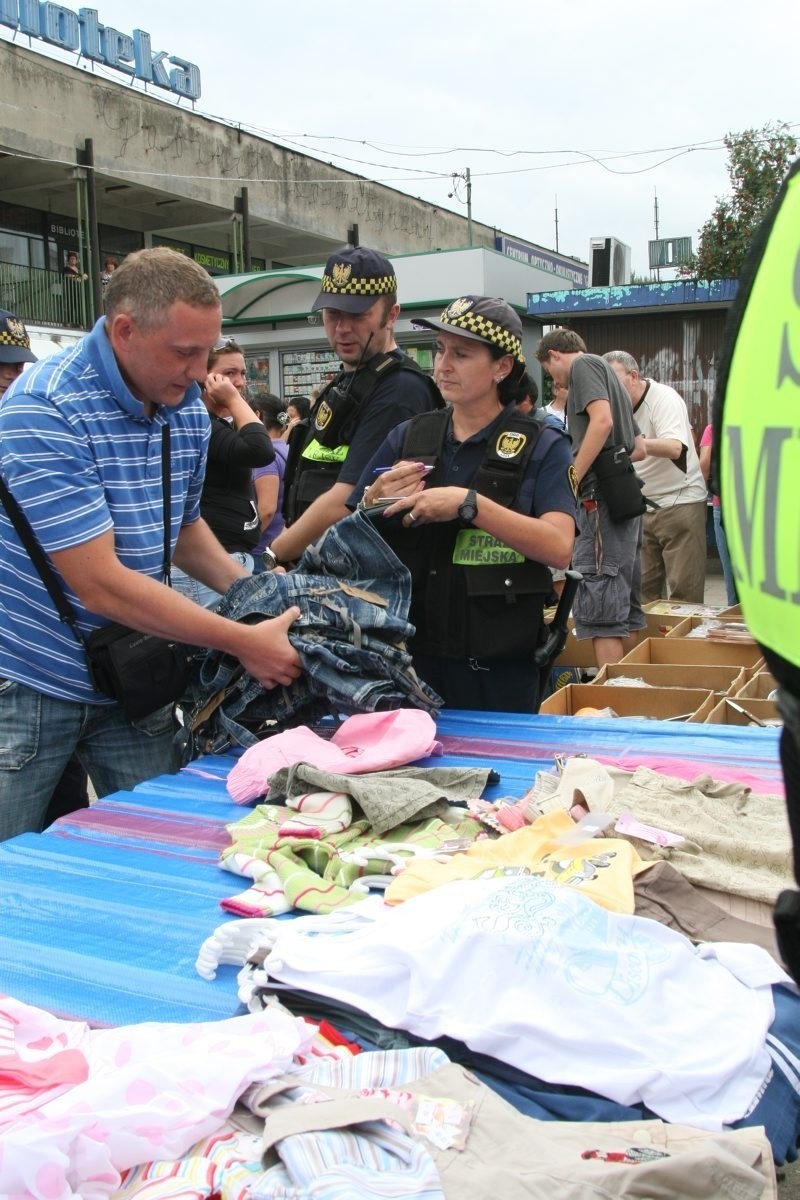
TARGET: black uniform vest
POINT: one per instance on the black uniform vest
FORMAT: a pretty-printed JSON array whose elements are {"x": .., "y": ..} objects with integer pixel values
[
  {"x": 318, "y": 448},
  {"x": 489, "y": 603}
]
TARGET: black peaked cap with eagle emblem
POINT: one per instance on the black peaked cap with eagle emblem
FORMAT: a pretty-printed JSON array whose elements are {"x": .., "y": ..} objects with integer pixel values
[
  {"x": 354, "y": 279},
  {"x": 15, "y": 345},
  {"x": 482, "y": 319}
]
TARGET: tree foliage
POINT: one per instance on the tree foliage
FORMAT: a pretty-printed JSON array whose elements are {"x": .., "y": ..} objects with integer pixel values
[{"x": 758, "y": 162}]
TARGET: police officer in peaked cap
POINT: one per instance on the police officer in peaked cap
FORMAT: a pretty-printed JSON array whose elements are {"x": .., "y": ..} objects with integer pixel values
[
  {"x": 15, "y": 349},
  {"x": 377, "y": 387}
]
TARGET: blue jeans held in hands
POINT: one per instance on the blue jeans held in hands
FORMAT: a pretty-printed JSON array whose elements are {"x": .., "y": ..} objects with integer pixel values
[
  {"x": 353, "y": 594},
  {"x": 38, "y": 735}
]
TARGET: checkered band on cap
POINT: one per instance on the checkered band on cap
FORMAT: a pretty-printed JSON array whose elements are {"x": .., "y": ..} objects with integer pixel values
[
  {"x": 13, "y": 333},
  {"x": 486, "y": 328},
  {"x": 356, "y": 285}
]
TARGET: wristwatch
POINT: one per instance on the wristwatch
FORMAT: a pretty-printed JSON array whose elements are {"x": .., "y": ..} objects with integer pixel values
[
  {"x": 468, "y": 511},
  {"x": 270, "y": 559}
]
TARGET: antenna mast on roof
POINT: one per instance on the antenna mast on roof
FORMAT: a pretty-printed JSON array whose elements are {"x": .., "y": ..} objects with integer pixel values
[{"x": 655, "y": 222}]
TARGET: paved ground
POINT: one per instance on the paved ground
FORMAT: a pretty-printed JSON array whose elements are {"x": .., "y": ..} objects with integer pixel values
[
  {"x": 789, "y": 1182},
  {"x": 715, "y": 584}
]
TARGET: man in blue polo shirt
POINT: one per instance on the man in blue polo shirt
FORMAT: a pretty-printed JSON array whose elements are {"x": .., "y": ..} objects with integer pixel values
[{"x": 80, "y": 451}]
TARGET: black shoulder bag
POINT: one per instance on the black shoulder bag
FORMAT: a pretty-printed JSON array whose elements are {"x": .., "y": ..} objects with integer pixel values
[
  {"x": 141, "y": 672},
  {"x": 619, "y": 485}
]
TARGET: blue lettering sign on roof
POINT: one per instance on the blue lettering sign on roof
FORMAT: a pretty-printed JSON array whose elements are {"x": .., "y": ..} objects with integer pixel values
[
  {"x": 535, "y": 256},
  {"x": 82, "y": 32}
]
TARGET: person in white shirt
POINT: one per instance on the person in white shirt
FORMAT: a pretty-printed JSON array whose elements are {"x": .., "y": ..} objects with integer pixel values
[
  {"x": 674, "y": 535},
  {"x": 557, "y": 408}
]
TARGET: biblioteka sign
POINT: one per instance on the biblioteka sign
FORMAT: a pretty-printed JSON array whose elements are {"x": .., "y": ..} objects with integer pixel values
[{"x": 82, "y": 33}]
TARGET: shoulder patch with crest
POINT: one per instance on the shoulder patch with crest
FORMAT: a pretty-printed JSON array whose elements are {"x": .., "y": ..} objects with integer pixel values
[
  {"x": 510, "y": 444},
  {"x": 323, "y": 415}
]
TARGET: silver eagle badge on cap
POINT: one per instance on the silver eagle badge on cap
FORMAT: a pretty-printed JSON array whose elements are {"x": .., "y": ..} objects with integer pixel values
[
  {"x": 16, "y": 329},
  {"x": 458, "y": 308},
  {"x": 341, "y": 273}
]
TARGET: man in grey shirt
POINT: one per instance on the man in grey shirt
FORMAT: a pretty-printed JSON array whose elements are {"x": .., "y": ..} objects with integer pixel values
[{"x": 608, "y": 606}]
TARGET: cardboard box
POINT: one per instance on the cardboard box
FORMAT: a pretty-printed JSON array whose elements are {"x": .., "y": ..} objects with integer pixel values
[
  {"x": 660, "y": 624},
  {"x": 680, "y": 608},
  {"x": 695, "y": 652},
  {"x": 758, "y": 686},
  {"x": 576, "y": 653},
  {"x": 661, "y": 704},
  {"x": 564, "y": 675},
  {"x": 698, "y": 627},
  {"x": 734, "y": 613},
  {"x": 720, "y": 679},
  {"x": 727, "y": 712},
  {"x": 580, "y": 653}
]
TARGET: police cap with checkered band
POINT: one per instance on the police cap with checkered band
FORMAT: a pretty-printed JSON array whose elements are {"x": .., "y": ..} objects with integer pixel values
[
  {"x": 481, "y": 319},
  {"x": 15, "y": 345},
  {"x": 354, "y": 279}
]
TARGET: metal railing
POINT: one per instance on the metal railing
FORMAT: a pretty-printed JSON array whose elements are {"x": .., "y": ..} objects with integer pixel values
[{"x": 44, "y": 297}]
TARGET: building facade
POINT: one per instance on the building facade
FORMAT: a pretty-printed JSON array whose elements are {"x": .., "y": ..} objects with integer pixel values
[
  {"x": 673, "y": 329},
  {"x": 91, "y": 168}
]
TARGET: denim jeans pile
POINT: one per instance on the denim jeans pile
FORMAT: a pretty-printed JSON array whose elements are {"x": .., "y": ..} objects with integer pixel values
[{"x": 353, "y": 594}]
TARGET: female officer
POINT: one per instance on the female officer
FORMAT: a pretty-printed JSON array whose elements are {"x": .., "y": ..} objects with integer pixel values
[{"x": 482, "y": 504}]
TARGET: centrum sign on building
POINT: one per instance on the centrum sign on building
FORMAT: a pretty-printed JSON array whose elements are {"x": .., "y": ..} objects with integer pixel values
[{"x": 82, "y": 33}]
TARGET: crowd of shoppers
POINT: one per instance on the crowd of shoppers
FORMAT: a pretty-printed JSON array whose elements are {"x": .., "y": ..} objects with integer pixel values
[{"x": 481, "y": 491}]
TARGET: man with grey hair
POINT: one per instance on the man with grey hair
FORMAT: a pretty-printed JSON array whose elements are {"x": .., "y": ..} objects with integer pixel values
[
  {"x": 81, "y": 437},
  {"x": 674, "y": 534}
]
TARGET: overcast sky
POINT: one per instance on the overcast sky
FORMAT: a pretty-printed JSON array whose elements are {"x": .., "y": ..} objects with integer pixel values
[{"x": 528, "y": 96}]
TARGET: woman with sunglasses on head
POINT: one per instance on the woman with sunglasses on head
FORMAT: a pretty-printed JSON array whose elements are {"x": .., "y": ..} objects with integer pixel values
[
  {"x": 482, "y": 504},
  {"x": 239, "y": 443}
]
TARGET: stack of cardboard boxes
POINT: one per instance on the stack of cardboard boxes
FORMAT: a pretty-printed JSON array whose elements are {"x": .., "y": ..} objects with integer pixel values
[{"x": 692, "y": 664}]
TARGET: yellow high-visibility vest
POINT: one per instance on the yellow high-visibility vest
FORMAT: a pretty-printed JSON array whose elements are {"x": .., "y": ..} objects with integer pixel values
[{"x": 757, "y": 430}]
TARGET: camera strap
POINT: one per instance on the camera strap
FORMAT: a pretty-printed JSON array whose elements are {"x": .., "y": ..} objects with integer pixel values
[{"x": 42, "y": 563}]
